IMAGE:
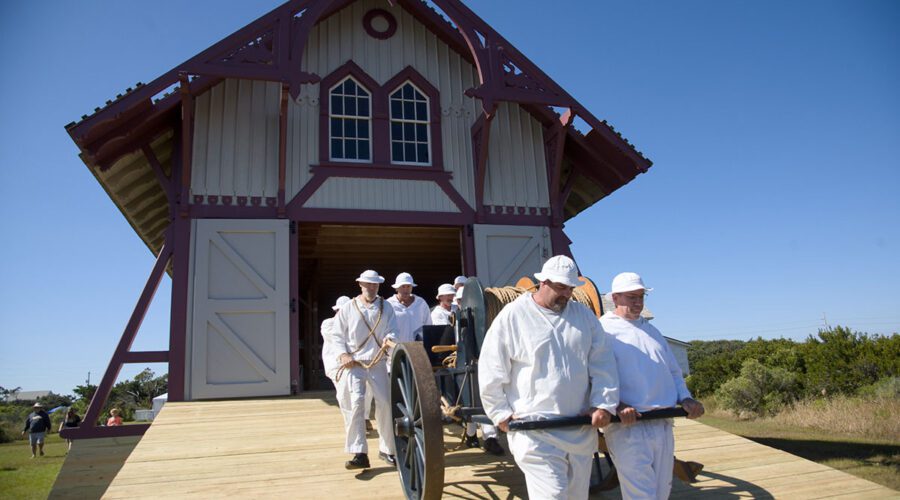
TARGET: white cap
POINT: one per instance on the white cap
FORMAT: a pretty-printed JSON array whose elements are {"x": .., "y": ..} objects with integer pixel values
[
  {"x": 628, "y": 282},
  {"x": 403, "y": 279},
  {"x": 559, "y": 269},
  {"x": 370, "y": 276},
  {"x": 458, "y": 296},
  {"x": 445, "y": 289},
  {"x": 459, "y": 280},
  {"x": 343, "y": 299}
]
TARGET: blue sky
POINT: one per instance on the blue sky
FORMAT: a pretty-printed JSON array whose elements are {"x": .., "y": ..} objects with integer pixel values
[{"x": 772, "y": 205}]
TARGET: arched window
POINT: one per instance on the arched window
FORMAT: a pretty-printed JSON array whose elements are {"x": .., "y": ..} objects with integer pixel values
[
  {"x": 350, "y": 120},
  {"x": 410, "y": 130}
]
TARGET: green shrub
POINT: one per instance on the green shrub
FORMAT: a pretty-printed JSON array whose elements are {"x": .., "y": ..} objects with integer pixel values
[
  {"x": 759, "y": 390},
  {"x": 886, "y": 388}
]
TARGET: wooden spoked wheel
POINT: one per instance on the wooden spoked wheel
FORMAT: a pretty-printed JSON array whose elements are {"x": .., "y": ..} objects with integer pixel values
[{"x": 418, "y": 430}]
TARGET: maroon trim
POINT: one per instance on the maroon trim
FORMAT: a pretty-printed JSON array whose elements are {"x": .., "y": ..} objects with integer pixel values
[
  {"x": 91, "y": 432},
  {"x": 379, "y": 171},
  {"x": 370, "y": 29},
  {"x": 434, "y": 103},
  {"x": 379, "y": 109},
  {"x": 380, "y": 119},
  {"x": 164, "y": 182},
  {"x": 481, "y": 137},
  {"x": 294, "y": 283},
  {"x": 455, "y": 197},
  {"x": 181, "y": 233},
  {"x": 197, "y": 211},
  {"x": 468, "y": 248},
  {"x": 146, "y": 357},
  {"x": 282, "y": 147},
  {"x": 512, "y": 219},
  {"x": 554, "y": 149},
  {"x": 187, "y": 142},
  {"x": 560, "y": 242},
  {"x": 122, "y": 353},
  {"x": 306, "y": 192},
  {"x": 348, "y": 216}
]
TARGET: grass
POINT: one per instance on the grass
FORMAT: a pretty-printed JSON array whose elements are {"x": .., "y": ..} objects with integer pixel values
[
  {"x": 22, "y": 477},
  {"x": 876, "y": 460}
]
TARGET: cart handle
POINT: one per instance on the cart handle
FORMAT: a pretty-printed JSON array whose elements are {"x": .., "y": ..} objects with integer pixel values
[{"x": 553, "y": 423}]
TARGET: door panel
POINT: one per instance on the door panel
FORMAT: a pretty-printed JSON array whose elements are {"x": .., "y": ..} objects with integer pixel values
[
  {"x": 240, "y": 329},
  {"x": 503, "y": 254}
]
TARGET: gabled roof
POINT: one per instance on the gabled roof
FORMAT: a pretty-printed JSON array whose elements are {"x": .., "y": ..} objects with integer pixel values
[{"x": 271, "y": 48}]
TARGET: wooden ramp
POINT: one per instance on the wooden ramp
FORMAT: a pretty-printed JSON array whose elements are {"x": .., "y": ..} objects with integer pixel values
[{"x": 292, "y": 448}]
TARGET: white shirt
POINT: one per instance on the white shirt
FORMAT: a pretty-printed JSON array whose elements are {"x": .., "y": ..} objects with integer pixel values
[
  {"x": 350, "y": 331},
  {"x": 537, "y": 364},
  {"x": 410, "y": 320},
  {"x": 331, "y": 351},
  {"x": 649, "y": 375},
  {"x": 441, "y": 316}
]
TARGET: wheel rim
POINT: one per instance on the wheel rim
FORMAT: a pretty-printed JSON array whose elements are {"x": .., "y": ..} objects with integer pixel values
[{"x": 418, "y": 433}]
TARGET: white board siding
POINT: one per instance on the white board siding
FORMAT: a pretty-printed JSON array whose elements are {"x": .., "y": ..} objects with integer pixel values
[
  {"x": 341, "y": 38},
  {"x": 236, "y": 139},
  {"x": 517, "y": 170},
  {"x": 503, "y": 254},
  {"x": 239, "y": 333},
  {"x": 381, "y": 194}
]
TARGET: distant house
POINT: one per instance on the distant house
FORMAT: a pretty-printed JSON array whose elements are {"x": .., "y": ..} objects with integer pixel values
[{"x": 26, "y": 396}]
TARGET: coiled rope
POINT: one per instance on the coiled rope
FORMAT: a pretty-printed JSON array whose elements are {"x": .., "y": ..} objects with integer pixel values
[{"x": 496, "y": 299}]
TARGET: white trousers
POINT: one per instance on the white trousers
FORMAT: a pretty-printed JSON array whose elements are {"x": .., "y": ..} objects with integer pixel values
[
  {"x": 487, "y": 431},
  {"x": 644, "y": 454},
  {"x": 359, "y": 382},
  {"x": 550, "y": 473},
  {"x": 342, "y": 394}
]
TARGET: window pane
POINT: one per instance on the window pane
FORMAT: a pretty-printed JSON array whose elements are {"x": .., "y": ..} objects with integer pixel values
[
  {"x": 349, "y": 87},
  {"x": 396, "y": 131},
  {"x": 351, "y": 150},
  {"x": 396, "y": 151},
  {"x": 409, "y": 111},
  {"x": 362, "y": 129},
  {"x": 337, "y": 105},
  {"x": 349, "y": 128},
  {"x": 421, "y": 132},
  {"x": 335, "y": 127},
  {"x": 409, "y": 131},
  {"x": 396, "y": 109},
  {"x": 337, "y": 150},
  {"x": 423, "y": 153},
  {"x": 408, "y": 91},
  {"x": 409, "y": 151},
  {"x": 350, "y": 106},
  {"x": 363, "y": 150},
  {"x": 363, "y": 106},
  {"x": 421, "y": 111}
]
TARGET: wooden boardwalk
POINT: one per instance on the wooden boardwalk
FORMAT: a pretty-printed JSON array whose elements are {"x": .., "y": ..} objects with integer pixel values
[{"x": 292, "y": 448}]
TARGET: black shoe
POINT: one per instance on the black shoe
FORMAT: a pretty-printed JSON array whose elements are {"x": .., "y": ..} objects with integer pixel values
[
  {"x": 387, "y": 458},
  {"x": 472, "y": 441},
  {"x": 359, "y": 461},
  {"x": 492, "y": 446}
]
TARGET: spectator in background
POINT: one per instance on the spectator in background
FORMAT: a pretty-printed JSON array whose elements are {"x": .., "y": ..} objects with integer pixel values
[
  {"x": 72, "y": 420},
  {"x": 37, "y": 425},
  {"x": 114, "y": 418}
]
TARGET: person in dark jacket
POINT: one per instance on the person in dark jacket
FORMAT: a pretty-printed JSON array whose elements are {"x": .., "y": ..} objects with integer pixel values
[
  {"x": 72, "y": 420},
  {"x": 37, "y": 424}
]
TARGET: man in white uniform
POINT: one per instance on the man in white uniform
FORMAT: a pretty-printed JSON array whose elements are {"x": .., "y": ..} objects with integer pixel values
[
  {"x": 411, "y": 310},
  {"x": 361, "y": 328},
  {"x": 545, "y": 356},
  {"x": 331, "y": 353},
  {"x": 459, "y": 282},
  {"x": 649, "y": 378},
  {"x": 441, "y": 313}
]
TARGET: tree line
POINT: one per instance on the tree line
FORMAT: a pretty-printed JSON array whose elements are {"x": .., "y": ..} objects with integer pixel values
[
  {"x": 760, "y": 377},
  {"x": 127, "y": 396}
]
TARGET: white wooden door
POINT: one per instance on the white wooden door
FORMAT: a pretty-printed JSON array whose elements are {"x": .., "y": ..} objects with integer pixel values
[
  {"x": 240, "y": 332},
  {"x": 503, "y": 254}
]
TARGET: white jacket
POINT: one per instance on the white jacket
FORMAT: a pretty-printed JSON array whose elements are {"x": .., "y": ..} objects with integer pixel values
[
  {"x": 538, "y": 364},
  {"x": 649, "y": 375},
  {"x": 441, "y": 316},
  {"x": 410, "y": 320},
  {"x": 350, "y": 332}
]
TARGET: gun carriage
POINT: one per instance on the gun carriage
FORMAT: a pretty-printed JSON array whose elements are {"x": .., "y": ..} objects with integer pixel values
[{"x": 435, "y": 383}]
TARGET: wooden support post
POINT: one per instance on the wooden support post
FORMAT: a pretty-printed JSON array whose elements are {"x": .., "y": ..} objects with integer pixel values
[
  {"x": 282, "y": 148},
  {"x": 187, "y": 142}
]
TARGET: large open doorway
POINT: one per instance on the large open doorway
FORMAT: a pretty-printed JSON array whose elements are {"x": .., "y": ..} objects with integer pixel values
[{"x": 333, "y": 256}]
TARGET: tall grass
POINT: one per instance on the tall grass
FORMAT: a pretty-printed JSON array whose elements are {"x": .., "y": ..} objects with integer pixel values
[{"x": 871, "y": 417}]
